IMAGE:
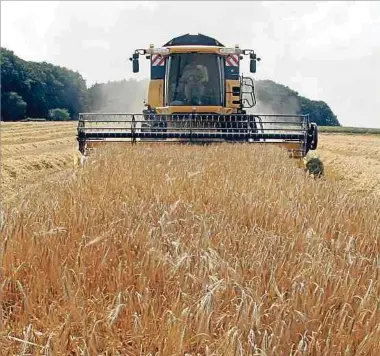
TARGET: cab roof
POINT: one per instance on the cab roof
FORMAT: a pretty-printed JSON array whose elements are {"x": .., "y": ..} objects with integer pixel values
[{"x": 193, "y": 40}]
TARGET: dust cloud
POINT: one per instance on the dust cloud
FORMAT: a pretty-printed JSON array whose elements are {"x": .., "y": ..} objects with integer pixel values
[{"x": 283, "y": 104}]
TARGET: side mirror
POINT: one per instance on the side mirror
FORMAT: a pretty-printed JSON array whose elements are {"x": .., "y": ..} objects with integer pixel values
[
  {"x": 135, "y": 63},
  {"x": 252, "y": 66}
]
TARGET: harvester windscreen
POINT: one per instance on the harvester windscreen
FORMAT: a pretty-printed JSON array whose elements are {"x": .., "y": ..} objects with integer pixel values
[{"x": 194, "y": 79}]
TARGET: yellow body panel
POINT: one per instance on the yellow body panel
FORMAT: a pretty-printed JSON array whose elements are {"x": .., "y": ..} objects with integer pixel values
[
  {"x": 229, "y": 97},
  {"x": 156, "y": 93},
  {"x": 194, "y": 109},
  {"x": 196, "y": 49}
]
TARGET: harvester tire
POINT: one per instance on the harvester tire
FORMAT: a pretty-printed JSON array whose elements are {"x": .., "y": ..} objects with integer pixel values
[
  {"x": 314, "y": 138},
  {"x": 315, "y": 167}
]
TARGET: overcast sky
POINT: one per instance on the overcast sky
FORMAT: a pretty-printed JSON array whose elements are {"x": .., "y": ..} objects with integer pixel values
[{"x": 326, "y": 51}]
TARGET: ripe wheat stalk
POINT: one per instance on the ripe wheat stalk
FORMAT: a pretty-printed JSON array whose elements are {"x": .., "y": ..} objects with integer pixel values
[{"x": 219, "y": 250}]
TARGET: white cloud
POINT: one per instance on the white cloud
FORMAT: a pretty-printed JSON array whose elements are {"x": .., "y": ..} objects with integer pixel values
[{"x": 24, "y": 25}]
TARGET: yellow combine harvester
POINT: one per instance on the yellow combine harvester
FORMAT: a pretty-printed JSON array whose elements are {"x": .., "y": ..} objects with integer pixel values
[{"x": 196, "y": 94}]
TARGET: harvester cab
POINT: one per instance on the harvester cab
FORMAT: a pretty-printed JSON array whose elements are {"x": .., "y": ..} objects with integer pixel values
[{"x": 197, "y": 95}]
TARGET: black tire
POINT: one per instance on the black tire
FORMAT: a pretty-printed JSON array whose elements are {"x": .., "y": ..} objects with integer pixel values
[
  {"x": 315, "y": 167},
  {"x": 314, "y": 140}
]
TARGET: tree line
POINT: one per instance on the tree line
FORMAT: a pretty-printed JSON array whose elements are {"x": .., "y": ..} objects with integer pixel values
[
  {"x": 33, "y": 89},
  {"x": 43, "y": 90}
]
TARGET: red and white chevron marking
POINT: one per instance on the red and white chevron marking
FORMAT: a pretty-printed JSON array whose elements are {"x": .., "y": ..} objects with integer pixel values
[
  {"x": 158, "y": 60},
  {"x": 232, "y": 60}
]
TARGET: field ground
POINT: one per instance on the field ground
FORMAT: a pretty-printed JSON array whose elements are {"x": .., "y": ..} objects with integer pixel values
[
  {"x": 32, "y": 151},
  {"x": 186, "y": 250},
  {"x": 349, "y": 130}
]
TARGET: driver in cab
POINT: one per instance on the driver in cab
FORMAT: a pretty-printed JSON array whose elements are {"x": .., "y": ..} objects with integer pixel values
[{"x": 194, "y": 80}]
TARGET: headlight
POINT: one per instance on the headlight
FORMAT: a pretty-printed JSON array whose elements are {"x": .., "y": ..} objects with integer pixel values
[
  {"x": 161, "y": 50},
  {"x": 230, "y": 50}
]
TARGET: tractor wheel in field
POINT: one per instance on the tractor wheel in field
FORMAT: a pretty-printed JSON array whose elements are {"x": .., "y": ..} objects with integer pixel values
[{"x": 315, "y": 167}]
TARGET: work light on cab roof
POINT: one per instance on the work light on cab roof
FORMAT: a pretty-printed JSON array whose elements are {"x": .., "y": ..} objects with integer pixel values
[{"x": 197, "y": 94}]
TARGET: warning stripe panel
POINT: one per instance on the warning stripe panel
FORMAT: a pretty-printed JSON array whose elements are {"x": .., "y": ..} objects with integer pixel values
[
  {"x": 158, "y": 60},
  {"x": 232, "y": 61}
]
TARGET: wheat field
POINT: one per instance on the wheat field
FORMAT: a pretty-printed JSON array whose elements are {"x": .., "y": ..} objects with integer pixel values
[{"x": 184, "y": 250}]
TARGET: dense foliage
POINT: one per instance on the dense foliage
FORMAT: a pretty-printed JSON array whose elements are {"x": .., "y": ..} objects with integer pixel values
[
  {"x": 12, "y": 105},
  {"x": 30, "y": 89},
  {"x": 59, "y": 115}
]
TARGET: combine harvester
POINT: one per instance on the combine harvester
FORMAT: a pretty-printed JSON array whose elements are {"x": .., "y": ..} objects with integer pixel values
[{"x": 197, "y": 95}]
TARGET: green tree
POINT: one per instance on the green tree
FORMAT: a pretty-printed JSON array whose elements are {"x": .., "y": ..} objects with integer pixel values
[
  {"x": 319, "y": 112},
  {"x": 42, "y": 86},
  {"x": 13, "y": 107},
  {"x": 59, "y": 115}
]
